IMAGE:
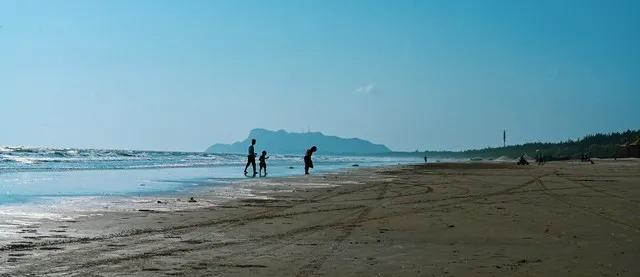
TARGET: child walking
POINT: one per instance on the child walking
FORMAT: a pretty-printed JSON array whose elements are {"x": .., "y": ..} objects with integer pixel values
[{"x": 263, "y": 163}]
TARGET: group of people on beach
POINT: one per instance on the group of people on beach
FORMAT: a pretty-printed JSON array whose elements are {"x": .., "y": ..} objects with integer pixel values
[
  {"x": 251, "y": 160},
  {"x": 586, "y": 158}
]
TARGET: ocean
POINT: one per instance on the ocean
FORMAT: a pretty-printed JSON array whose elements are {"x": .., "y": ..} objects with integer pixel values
[
  {"x": 54, "y": 184},
  {"x": 26, "y": 172}
]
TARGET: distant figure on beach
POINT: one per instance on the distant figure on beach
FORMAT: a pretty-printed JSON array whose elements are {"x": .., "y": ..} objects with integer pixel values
[
  {"x": 586, "y": 158},
  {"x": 540, "y": 159},
  {"x": 523, "y": 161},
  {"x": 425, "y": 158},
  {"x": 251, "y": 158},
  {"x": 263, "y": 163},
  {"x": 308, "y": 163}
]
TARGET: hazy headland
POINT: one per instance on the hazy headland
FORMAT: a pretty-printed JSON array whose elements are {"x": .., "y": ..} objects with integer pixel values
[{"x": 598, "y": 145}]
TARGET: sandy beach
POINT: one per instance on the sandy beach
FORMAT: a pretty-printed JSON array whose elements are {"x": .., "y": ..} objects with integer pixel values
[{"x": 464, "y": 219}]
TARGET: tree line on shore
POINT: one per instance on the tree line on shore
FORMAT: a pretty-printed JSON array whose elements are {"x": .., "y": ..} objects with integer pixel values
[{"x": 595, "y": 145}]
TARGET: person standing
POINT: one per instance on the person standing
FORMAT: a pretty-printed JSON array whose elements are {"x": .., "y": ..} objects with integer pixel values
[
  {"x": 263, "y": 163},
  {"x": 251, "y": 158},
  {"x": 308, "y": 163}
]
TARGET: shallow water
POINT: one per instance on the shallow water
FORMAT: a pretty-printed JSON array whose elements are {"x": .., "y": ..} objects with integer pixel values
[
  {"x": 39, "y": 184},
  {"x": 29, "y": 183}
]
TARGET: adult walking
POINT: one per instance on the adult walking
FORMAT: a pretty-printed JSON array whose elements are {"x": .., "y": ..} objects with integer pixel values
[
  {"x": 251, "y": 158},
  {"x": 308, "y": 163}
]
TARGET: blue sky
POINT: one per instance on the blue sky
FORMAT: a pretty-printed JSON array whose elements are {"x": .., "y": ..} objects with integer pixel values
[{"x": 181, "y": 75}]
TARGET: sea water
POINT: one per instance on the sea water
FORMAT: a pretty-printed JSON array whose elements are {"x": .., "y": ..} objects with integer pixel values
[
  {"x": 26, "y": 173},
  {"x": 52, "y": 184}
]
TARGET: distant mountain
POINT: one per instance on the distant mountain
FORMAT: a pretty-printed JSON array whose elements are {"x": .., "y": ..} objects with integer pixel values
[{"x": 283, "y": 142}]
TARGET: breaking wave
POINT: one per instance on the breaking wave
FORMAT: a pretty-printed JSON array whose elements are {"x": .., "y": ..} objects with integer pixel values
[{"x": 34, "y": 158}]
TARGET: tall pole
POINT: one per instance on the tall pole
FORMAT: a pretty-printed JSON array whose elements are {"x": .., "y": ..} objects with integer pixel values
[{"x": 504, "y": 138}]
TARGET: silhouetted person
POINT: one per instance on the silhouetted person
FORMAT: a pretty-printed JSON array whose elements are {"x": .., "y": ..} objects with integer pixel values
[
  {"x": 523, "y": 161},
  {"x": 308, "y": 163},
  {"x": 263, "y": 163},
  {"x": 251, "y": 158},
  {"x": 425, "y": 159}
]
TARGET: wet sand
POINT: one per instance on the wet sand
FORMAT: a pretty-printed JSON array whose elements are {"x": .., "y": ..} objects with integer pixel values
[{"x": 473, "y": 219}]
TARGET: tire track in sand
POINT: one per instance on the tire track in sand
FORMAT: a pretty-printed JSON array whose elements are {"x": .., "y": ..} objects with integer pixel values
[
  {"x": 563, "y": 200},
  {"x": 315, "y": 264}
]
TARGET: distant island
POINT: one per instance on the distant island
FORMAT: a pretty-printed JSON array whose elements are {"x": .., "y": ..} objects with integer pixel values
[{"x": 283, "y": 142}]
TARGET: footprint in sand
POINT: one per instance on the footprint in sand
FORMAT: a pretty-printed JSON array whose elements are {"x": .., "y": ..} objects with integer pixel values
[{"x": 51, "y": 248}]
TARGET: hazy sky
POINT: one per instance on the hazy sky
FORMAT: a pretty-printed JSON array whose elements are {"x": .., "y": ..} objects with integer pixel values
[{"x": 181, "y": 75}]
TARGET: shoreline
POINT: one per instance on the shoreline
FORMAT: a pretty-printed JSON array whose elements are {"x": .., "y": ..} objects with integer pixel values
[
  {"x": 33, "y": 183},
  {"x": 49, "y": 210},
  {"x": 435, "y": 219}
]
